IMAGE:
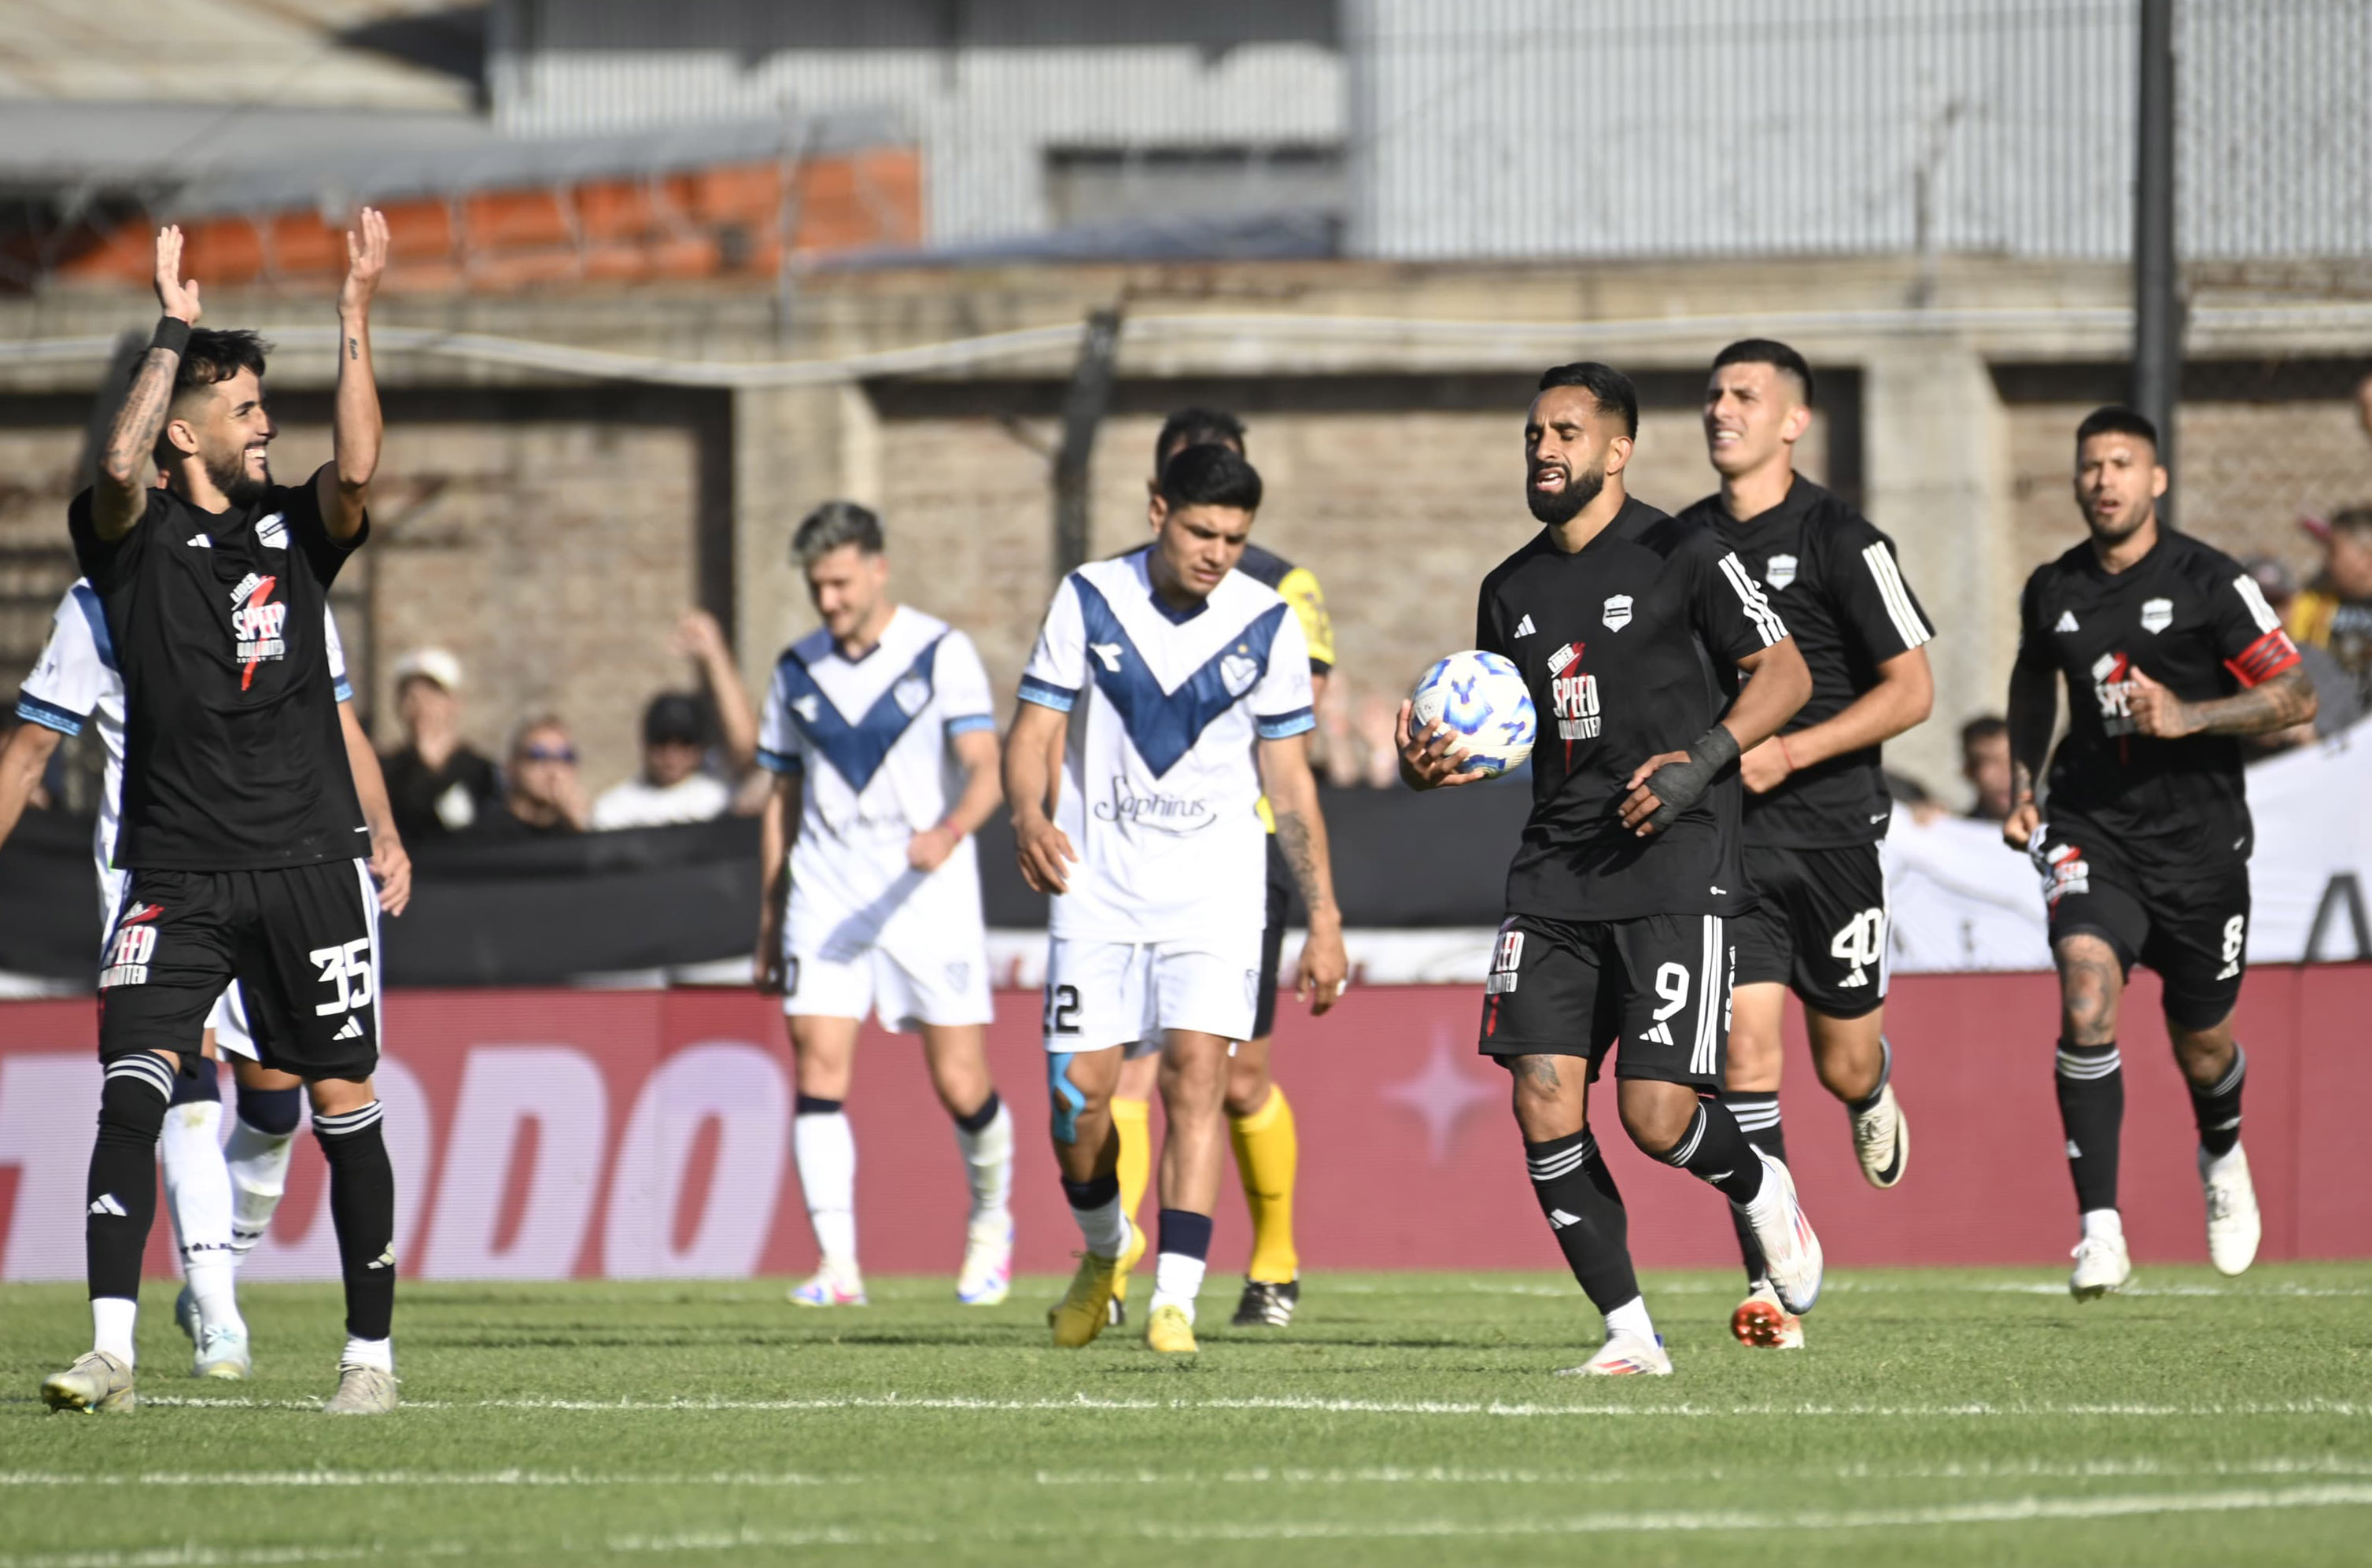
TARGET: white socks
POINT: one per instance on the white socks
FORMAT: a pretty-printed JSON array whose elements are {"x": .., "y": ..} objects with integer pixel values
[
  {"x": 825, "y": 1150},
  {"x": 376, "y": 1355},
  {"x": 988, "y": 1160},
  {"x": 198, "y": 1194},
  {"x": 2104, "y": 1223},
  {"x": 1177, "y": 1281},
  {"x": 1631, "y": 1318},
  {"x": 1103, "y": 1227},
  {"x": 111, "y": 1317},
  {"x": 258, "y": 1163}
]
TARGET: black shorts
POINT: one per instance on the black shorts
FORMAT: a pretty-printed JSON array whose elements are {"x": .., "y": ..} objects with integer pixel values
[
  {"x": 302, "y": 941},
  {"x": 1570, "y": 987},
  {"x": 1819, "y": 926},
  {"x": 2193, "y": 929},
  {"x": 1279, "y": 910}
]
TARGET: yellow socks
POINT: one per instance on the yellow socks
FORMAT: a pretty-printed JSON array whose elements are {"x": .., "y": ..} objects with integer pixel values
[
  {"x": 1267, "y": 1154},
  {"x": 1131, "y": 1120}
]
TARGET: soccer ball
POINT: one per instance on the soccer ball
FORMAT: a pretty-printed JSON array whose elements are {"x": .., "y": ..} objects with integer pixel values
[{"x": 1483, "y": 700}]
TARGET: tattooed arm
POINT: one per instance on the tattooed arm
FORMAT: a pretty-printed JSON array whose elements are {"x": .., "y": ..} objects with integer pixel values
[
  {"x": 1301, "y": 834},
  {"x": 342, "y": 487},
  {"x": 2286, "y": 699},
  {"x": 119, "y": 497}
]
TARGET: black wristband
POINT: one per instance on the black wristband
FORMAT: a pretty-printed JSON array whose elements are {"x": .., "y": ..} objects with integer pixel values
[
  {"x": 1680, "y": 786},
  {"x": 172, "y": 333}
]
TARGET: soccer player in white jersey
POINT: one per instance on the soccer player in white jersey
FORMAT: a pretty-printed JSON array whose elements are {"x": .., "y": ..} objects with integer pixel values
[
  {"x": 879, "y": 731},
  {"x": 221, "y": 1200},
  {"x": 1175, "y": 688}
]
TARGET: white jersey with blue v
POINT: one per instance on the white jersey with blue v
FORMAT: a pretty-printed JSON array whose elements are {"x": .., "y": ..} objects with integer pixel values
[
  {"x": 1159, "y": 792},
  {"x": 868, "y": 740}
]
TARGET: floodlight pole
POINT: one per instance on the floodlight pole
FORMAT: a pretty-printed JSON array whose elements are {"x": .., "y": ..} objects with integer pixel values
[
  {"x": 1084, "y": 403},
  {"x": 2157, "y": 304}
]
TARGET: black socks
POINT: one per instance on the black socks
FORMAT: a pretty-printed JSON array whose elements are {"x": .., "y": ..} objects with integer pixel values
[
  {"x": 362, "y": 1208},
  {"x": 121, "y": 1190},
  {"x": 1577, "y": 1195},
  {"x": 1714, "y": 1150},
  {"x": 2091, "y": 1080},
  {"x": 1757, "y": 1112},
  {"x": 2217, "y": 1108}
]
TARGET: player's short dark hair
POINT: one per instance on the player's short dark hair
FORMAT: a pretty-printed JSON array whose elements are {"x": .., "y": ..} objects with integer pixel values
[
  {"x": 1770, "y": 351},
  {"x": 832, "y": 525},
  {"x": 2115, "y": 419},
  {"x": 1983, "y": 728},
  {"x": 1196, "y": 427},
  {"x": 2352, "y": 519},
  {"x": 212, "y": 358},
  {"x": 1209, "y": 475},
  {"x": 1610, "y": 388}
]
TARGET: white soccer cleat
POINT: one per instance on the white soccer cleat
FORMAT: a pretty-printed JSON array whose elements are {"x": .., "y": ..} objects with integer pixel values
[
  {"x": 362, "y": 1390},
  {"x": 1624, "y": 1355},
  {"x": 2102, "y": 1265},
  {"x": 830, "y": 1287},
  {"x": 96, "y": 1381},
  {"x": 2233, "y": 1225},
  {"x": 1882, "y": 1140},
  {"x": 223, "y": 1353},
  {"x": 1760, "y": 1323},
  {"x": 1791, "y": 1252},
  {"x": 987, "y": 1274}
]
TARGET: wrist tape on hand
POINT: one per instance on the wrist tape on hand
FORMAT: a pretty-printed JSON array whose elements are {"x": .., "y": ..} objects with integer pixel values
[
  {"x": 1682, "y": 784},
  {"x": 173, "y": 333}
]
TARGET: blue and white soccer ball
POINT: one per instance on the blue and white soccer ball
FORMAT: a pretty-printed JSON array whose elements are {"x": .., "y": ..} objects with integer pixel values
[{"x": 1482, "y": 697}]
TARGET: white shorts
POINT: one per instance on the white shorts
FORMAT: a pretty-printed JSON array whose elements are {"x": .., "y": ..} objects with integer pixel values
[
  {"x": 228, "y": 1019},
  {"x": 905, "y": 989},
  {"x": 1099, "y": 994}
]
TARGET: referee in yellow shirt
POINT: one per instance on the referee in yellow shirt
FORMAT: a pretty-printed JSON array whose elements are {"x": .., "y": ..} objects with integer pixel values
[{"x": 1259, "y": 1117}]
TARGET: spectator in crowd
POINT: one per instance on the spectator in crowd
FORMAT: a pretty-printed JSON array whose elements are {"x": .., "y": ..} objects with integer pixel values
[
  {"x": 2339, "y": 700},
  {"x": 671, "y": 787},
  {"x": 1985, "y": 762},
  {"x": 436, "y": 786},
  {"x": 543, "y": 794},
  {"x": 2334, "y": 612},
  {"x": 699, "y": 638}
]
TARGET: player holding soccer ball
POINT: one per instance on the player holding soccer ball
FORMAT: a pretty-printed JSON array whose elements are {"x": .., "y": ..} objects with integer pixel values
[{"x": 1627, "y": 624}]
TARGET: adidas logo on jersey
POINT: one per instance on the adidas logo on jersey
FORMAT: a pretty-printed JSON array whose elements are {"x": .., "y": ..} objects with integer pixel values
[
  {"x": 353, "y": 1030},
  {"x": 200, "y": 542},
  {"x": 1524, "y": 628},
  {"x": 2066, "y": 622},
  {"x": 105, "y": 1203},
  {"x": 1559, "y": 1219},
  {"x": 1660, "y": 1035}
]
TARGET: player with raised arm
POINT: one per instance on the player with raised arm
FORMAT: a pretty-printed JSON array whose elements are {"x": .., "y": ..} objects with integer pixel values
[
  {"x": 1260, "y": 1119},
  {"x": 221, "y": 1200},
  {"x": 1815, "y": 802},
  {"x": 1175, "y": 689},
  {"x": 2170, "y": 654},
  {"x": 880, "y": 736},
  {"x": 1629, "y": 627},
  {"x": 240, "y": 818}
]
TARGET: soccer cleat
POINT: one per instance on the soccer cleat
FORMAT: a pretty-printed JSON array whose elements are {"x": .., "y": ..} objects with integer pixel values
[
  {"x": 223, "y": 1353},
  {"x": 1882, "y": 1138},
  {"x": 1169, "y": 1332},
  {"x": 2233, "y": 1226},
  {"x": 1760, "y": 1323},
  {"x": 1791, "y": 1252},
  {"x": 987, "y": 1274},
  {"x": 2102, "y": 1265},
  {"x": 1266, "y": 1303},
  {"x": 96, "y": 1382},
  {"x": 1085, "y": 1308},
  {"x": 362, "y": 1390},
  {"x": 830, "y": 1287},
  {"x": 1624, "y": 1355}
]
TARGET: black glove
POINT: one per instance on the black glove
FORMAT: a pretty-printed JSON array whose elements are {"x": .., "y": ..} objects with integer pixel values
[{"x": 1682, "y": 784}]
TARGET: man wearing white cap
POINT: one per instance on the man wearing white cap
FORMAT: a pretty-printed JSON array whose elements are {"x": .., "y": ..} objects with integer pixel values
[{"x": 436, "y": 784}]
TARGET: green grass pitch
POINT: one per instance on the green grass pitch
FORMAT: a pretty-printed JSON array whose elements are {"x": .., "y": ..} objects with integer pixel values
[{"x": 1939, "y": 1417}]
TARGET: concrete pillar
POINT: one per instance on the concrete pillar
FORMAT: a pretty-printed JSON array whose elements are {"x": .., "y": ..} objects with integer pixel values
[
  {"x": 1934, "y": 445},
  {"x": 794, "y": 448}
]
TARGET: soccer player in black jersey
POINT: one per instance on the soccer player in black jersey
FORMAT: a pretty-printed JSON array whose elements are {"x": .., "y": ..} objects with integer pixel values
[
  {"x": 240, "y": 829},
  {"x": 1815, "y": 802},
  {"x": 1630, "y": 628},
  {"x": 2170, "y": 654}
]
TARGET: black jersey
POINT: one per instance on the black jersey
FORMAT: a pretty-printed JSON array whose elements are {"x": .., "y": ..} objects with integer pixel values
[
  {"x": 1834, "y": 581},
  {"x": 1630, "y": 648},
  {"x": 2188, "y": 616},
  {"x": 233, "y": 758},
  {"x": 1299, "y": 584}
]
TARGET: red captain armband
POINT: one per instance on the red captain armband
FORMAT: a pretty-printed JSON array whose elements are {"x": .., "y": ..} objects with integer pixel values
[{"x": 2264, "y": 658}]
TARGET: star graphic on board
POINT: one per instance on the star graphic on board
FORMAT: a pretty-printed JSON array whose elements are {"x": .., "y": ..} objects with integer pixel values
[{"x": 1441, "y": 1094}]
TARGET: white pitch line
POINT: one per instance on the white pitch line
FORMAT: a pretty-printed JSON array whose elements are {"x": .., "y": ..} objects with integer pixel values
[
  {"x": 1972, "y": 1408},
  {"x": 1999, "y": 1511}
]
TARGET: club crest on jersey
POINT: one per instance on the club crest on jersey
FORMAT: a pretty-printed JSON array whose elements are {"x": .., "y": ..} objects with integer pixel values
[
  {"x": 1618, "y": 612},
  {"x": 910, "y": 693},
  {"x": 2157, "y": 614},
  {"x": 1238, "y": 670},
  {"x": 272, "y": 532},
  {"x": 258, "y": 625},
  {"x": 1779, "y": 571}
]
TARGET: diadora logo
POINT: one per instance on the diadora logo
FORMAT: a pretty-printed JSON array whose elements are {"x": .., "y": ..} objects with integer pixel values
[
  {"x": 2112, "y": 688},
  {"x": 1779, "y": 571},
  {"x": 1108, "y": 653},
  {"x": 2157, "y": 614},
  {"x": 258, "y": 626},
  {"x": 1618, "y": 612}
]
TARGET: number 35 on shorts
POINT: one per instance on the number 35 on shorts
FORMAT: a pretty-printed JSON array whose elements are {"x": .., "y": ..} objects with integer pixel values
[{"x": 346, "y": 971}]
